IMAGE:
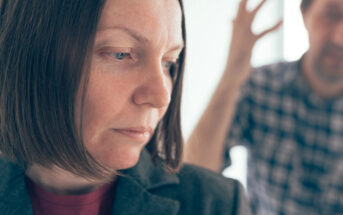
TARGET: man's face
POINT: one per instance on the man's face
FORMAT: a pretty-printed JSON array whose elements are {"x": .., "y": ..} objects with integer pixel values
[{"x": 324, "y": 22}]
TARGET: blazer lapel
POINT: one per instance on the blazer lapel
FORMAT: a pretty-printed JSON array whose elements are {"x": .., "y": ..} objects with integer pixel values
[
  {"x": 132, "y": 199},
  {"x": 133, "y": 196}
]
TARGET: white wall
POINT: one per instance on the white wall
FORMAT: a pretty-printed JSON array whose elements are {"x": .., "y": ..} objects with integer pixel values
[
  {"x": 295, "y": 36},
  {"x": 208, "y": 24},
  {"x": 208, "y": 36}
]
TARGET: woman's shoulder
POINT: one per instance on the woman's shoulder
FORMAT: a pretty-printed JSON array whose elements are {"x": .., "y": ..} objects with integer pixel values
[
  {"x": 14, "y": 198},
  {"x": 8, "y": 169},
  {"x": 9, "y": 173},
  {"x": 191, "y": 173},
  {"x": 201, "y": 191},
  {"x": 191, "y": 190}
]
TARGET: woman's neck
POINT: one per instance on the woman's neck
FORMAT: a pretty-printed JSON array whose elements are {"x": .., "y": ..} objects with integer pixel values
[{"x": 60, "y": 181}]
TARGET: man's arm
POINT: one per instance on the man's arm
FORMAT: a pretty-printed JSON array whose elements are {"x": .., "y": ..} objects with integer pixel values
[{"x": 207, "y": 141}]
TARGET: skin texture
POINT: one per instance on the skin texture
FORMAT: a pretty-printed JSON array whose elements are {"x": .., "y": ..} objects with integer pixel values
[
  {"x": 128, "y": 90},
  {"x": 132, "y": 91},
  {"x": 323, "y": 63}
]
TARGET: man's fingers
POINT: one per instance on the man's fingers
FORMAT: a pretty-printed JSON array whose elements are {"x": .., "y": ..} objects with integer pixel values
[
  {"x": 242, "y": 6},
  {"x": 275, "y": 27},
  {"x": 258, "y": 7}
]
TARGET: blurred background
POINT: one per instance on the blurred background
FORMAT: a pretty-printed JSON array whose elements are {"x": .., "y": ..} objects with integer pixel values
[{"x": 209, "y": 25}]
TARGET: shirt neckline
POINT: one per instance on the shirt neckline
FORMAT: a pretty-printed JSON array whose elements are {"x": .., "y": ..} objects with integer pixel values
[{"x": 70, "y": 200}]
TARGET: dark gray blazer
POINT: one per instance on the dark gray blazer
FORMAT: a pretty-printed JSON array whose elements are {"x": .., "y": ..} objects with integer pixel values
[{"x": 145, "y": 189}]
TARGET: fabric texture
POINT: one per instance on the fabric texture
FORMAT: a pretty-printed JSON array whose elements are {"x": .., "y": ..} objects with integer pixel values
[
  {"x": 294, "y": 139},
  {"x": 145, "y": 189},
  {"x": 99, "y": 201}
]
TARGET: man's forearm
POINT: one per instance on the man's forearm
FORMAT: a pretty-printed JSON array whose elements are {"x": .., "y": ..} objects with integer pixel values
[{"x": 206, "y": 143}]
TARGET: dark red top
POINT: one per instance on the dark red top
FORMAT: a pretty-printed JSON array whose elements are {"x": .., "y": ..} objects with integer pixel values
[{"x": 98, "y": 202}]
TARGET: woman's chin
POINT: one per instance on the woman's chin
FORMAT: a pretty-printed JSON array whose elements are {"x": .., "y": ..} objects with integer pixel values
[{"x": 120, "y": 161}]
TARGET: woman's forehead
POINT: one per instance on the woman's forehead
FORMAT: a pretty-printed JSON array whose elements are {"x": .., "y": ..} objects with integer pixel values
[{"x": 152, "y": 19}]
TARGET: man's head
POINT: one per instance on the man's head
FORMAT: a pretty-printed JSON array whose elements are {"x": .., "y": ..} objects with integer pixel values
[{"x": 324, "y": 60}]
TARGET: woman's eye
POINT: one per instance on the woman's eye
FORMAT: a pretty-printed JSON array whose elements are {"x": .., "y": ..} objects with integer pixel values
[
  {"x": 171, "y": 67},
  {"x": 120, "y": 55},
  {"x": 168, "y": 64}
]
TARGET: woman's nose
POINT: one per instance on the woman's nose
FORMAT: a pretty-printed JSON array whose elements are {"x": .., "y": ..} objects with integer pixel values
[{"x": 154, "y": 88}]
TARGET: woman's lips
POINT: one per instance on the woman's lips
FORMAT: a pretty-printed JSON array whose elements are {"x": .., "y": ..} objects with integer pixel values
[{"x": 136, "y": 134}]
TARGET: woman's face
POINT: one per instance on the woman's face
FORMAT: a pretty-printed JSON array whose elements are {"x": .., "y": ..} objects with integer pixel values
[{"x": 130, "y": 84}]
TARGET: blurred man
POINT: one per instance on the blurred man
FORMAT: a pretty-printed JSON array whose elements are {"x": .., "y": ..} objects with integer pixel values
[{"x": 289, "y": 115}]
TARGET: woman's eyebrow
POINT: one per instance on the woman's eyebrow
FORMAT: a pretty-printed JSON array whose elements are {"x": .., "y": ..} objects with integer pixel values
[
  {"x": 132, "y": 33},
  {"x": 178, "y": 47},
  {"x": 139, "y": 37}
]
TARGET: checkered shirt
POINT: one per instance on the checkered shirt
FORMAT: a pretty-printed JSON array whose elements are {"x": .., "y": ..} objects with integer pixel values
[{"x": 295, "y": 143}]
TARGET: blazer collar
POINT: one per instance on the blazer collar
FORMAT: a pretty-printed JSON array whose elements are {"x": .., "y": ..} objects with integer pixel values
[
  {"x": 14, "y": 197},
  {"x": 148, "y": 174},
  {"x": 133, "y": 194}
]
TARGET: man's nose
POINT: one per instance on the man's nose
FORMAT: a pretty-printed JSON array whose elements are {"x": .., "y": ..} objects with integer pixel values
[
  {"x": 155, "y": 87},
  {"x": 337, "y": 35}
]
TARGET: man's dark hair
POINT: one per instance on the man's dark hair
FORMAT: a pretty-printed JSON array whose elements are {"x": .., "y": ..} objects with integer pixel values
[
  {"x": 45, "y": 48},
  {"x": 305, "y": 4}
]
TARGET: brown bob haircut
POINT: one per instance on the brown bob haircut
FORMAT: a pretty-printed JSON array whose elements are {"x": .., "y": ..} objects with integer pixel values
[{"x": 45, "y": 48}]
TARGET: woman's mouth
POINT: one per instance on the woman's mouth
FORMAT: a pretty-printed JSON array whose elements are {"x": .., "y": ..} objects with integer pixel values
[{"x": 137, "y": 134}]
